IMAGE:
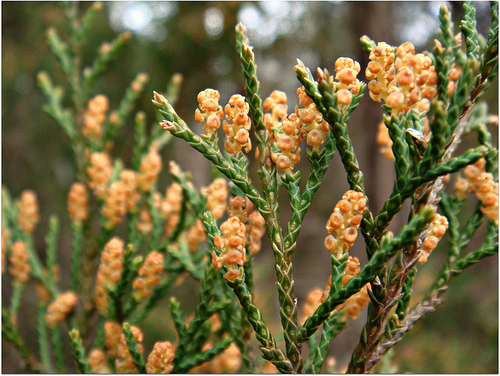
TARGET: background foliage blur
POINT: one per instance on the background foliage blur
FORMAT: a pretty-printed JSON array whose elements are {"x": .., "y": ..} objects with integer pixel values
[{"x": 196, "y": 39}]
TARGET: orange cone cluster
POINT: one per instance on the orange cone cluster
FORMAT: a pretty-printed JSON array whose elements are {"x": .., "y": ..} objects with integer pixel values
[
  {"x": 401, "y": 78},
  {"x": 161, "y": 357},
  {"x": 438, "y": 227},
  {"x": 232, "y": 244},
  {"x": 28, "y": 216},
  {"x": 343, "y": 224}
]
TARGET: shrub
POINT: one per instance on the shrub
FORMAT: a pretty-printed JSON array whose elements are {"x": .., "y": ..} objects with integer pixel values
[{"x": 212, "y": 235}]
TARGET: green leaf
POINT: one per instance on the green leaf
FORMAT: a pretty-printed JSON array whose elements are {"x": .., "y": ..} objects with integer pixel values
[
  {"x": 107, "y": 53},
  {"x": 367, "y": 44},
  {"x": 177, "y": 317},
  {"x": 87, "y": 22},
  {"x": 202, "y": 314},
  {"x": 61, "y": 51},
  {"x": 78, "y": 352},
  {"x": 267, "y": 343},
  {"x": 43, "y": 339},
  {"x": 54, "y": 108},
  {"x": 51, "y": 241},
  {"x": 133, "y": 348},
  {"x": 58, "y": 349},
  {"x": 490, "y": 57},
  {"x": 126, "y": 106},
  {"x": 454, "y": 164},
  {"x": 469, "y": 29},
  {"x": 120, "y": 288},
  {"x": 338, "y": 127},
  {"x": 397, "y": 127},
  {"x": 77, "y": 232},
  {"x": 140, "y": 139},
  {"x": 205, "y": 356},
  {"x": 331, "y": 328}
]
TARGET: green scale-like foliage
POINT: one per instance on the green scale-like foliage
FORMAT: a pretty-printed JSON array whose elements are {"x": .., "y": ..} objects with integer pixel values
[
  {"x": 78, "y": 352},
  {"x": 421, "y": 162}
]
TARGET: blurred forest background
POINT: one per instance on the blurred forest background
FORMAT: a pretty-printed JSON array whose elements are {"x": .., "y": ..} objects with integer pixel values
[{"x": 196, "y": 39}]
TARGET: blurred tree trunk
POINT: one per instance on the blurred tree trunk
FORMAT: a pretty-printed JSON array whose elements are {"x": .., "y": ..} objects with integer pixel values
[{"x": 376, "y": 25}]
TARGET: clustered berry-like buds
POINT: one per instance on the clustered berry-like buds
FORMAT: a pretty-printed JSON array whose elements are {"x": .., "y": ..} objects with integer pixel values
[
  {"x": 401, "y": 78},
  {"x": 94, "y": 118},
  {"x": 254, "y": 222},
  {"x": 276, "y": 103},
  {"x": 110, "y": 272},
  {"x": 60, "y": 308},
  {"x": 356, "y": 303},
  {"x": 115, "y": 205},
  {"x": 288, "y": 140},
  {"x": 144, "y": 222},
  {"x": 149, "y": 276},
  {"x": 344, "y": 222},
  {"x": 487, "y": 192},
  {"x": 255, "y": 229},
  {"x": 78, "y": 203},
  {"x": 161, "y": 357},
  {"x": 99, "y": 173},
  {"x": 284, "y": 132},
  {"x": 467, "y": 184},
  {"x": 124, "y": 362},
  {"x": 483, "y": 185},
  {"x": 238, "y": 126},
  {"x": 351, "y": 270},
  {"x": 347, "y": 83},
  {"x": 132, "y": 196},
  {"x": 313, "y": 301},
  {"x": 209, "y": 112},
  {"x": 195, "y": 235},
  {"x": 27, "y": 206},
  {"x": 233, "y": 241},
  {"x": 98, "y": 361},
  {"x": 149, "y": 169},
  {"x": 312, "y": 125},
  {"x": 170, "y": 207},
  {"x": 384, "y": 140},
  {"x": 20, "y": 267},
  {"x": 112, "y": 335},
  {"x": 240, "y": 207},
  {"x": 437, "y": 228},
  {"x": 453, "y": 77},
  {"x": 229, "y": 361},
  {"x": 216, "y": 193}
]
